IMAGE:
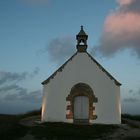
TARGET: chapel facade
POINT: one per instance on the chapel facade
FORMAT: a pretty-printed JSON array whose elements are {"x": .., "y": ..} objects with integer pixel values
[{"x": 81, "y": 91}]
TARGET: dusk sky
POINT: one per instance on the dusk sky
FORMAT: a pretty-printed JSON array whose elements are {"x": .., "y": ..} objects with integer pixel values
[{"x": 38, "y": 36}]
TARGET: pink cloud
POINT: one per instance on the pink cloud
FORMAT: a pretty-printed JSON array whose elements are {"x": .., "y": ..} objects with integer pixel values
[
  {"x": 121, "y": 29},
  {"x": 123, "y": 23},
  {"x": 124, "y": 2}
]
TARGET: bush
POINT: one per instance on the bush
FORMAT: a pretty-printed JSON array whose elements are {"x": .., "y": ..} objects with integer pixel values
[{"x": 132, "y": 117}]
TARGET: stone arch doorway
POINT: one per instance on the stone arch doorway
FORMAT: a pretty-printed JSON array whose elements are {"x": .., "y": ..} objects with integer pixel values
[{"x": 80, "y": 107}]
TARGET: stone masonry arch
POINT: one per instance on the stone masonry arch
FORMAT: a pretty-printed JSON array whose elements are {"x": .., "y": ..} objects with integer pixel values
[{"x": 81, "y": 89}]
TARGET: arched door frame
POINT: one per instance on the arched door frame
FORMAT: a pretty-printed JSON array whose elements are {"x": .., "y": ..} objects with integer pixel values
[{"x": 81, "y": 89}]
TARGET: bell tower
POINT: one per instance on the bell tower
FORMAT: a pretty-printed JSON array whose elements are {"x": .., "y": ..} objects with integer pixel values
[{"x": 81, "y": 40}]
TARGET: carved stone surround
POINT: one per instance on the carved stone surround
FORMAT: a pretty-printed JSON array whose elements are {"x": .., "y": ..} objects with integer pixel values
[{"x": 81, "y": 89}]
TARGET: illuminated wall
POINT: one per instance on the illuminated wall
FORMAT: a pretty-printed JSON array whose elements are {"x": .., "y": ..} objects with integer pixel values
[{"x": 81, "y": 69}]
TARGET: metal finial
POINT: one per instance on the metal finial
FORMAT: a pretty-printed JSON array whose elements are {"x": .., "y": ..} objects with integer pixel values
[{"x": 81, "y": 27}]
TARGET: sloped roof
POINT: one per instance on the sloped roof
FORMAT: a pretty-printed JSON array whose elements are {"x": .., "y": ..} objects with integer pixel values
[
  {"x": 104, "y": 70},
  {"x": 58, "y": 70},
  {"x": 100, "y": 67}
]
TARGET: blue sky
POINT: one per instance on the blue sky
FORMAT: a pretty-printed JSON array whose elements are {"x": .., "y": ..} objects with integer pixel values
[{"x": 36, "y": 37}]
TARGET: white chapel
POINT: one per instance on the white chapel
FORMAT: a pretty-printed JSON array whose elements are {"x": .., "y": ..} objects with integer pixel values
[{"x": 81, "y": 91}]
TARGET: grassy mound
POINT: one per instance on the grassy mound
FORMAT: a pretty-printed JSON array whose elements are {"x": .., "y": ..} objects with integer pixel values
[
  {"x": 70, "y": 131},
  {"x": 10, "y": 129}
]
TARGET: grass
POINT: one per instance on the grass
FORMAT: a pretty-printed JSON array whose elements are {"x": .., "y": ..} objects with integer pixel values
[
  {"x": 132, "y": 117},
  {"x": 132, "y": 138},
  {"x": 70, "y": 131},
  {"x": 10, "y": 129}
]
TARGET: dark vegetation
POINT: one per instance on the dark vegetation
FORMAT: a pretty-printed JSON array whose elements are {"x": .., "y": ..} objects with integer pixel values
[
  {"x": 70, "y": 131},
  {"x": 131, "y": 138},
  {"x": 10, "y": 129},
  {"x": 131, "y": 117}
]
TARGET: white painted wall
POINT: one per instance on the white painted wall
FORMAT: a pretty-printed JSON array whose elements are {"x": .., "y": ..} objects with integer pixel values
[{"x": 81, "y": 69}]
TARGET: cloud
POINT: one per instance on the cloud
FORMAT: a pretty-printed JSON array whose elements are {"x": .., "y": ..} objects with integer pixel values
[
  {"x": 130, "y": 91},
  {"x": 139, "y": 91},
  {"x": 124, "y": 2},
  {"x": 15, "y": 97},
  {"x": 35, "y": 2},
  {"x": 34, "y": 96},
  {"x": 35, "y": 72},
  {"x": 129, "y": 5},
  {"x": 18, "y": 93},
  {"x": 132, "y": 100},
  {"x": 130, "y": 107},
  {"x": 60, "y": 48},
  {"x": 7, "y": 77},
  {"x": 16, "y": 107},
  {"x": 121, "y": 29},
  {"x": 12, "y": 89}
]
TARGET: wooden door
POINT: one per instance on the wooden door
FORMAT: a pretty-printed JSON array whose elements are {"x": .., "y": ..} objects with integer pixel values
[{"x": 81, "y": 107}]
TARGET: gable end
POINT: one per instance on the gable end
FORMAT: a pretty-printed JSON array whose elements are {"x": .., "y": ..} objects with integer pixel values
[
  {"x": 100, "y": 67},
  {"x": 58, "y": 70},
  {"x": 105, "y": 71}
]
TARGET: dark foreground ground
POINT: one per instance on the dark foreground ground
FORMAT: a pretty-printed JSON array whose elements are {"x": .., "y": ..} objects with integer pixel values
[{"x": 21, "y": 127}]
